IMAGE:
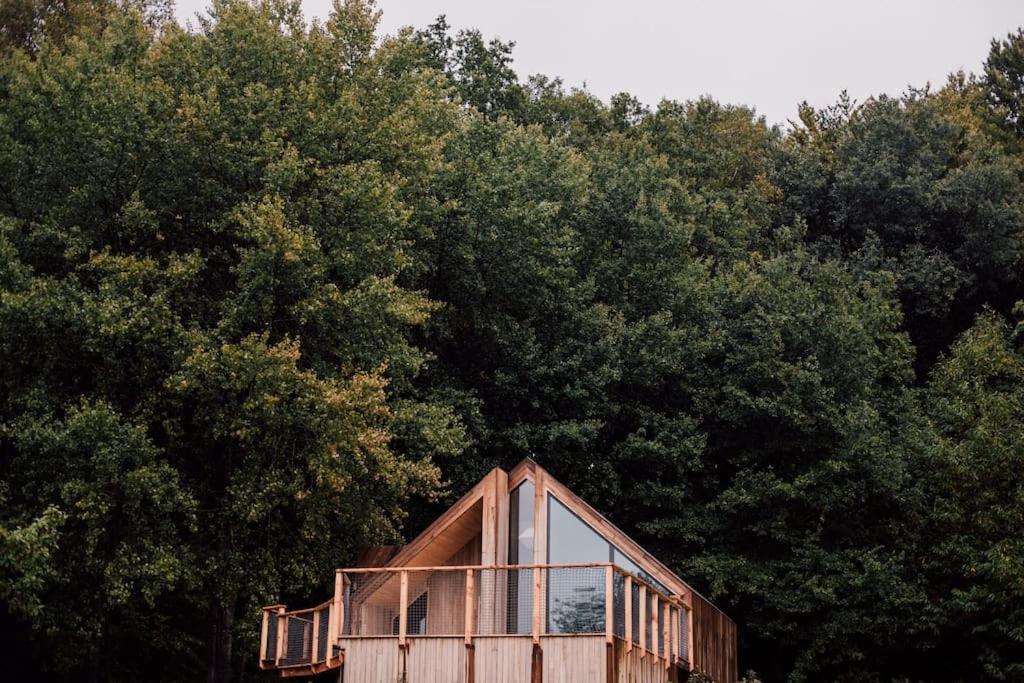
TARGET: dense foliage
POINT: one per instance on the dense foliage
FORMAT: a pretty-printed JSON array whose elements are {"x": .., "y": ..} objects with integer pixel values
[{"x": 272, "y": 291}]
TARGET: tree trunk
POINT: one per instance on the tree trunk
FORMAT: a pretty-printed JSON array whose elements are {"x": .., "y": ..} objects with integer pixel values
[{"x": 219, "y": 640}]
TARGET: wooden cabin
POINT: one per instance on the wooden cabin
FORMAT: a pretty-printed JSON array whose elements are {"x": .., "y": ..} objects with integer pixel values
[{"x": 519, "y": 582}]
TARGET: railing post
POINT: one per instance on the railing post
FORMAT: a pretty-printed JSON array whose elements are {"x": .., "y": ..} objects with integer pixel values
[
  {"x": 314, "y": 649},
  {"x": 642, "y": 621},
  {"x": 470, "y": 612},
  {"x": 609, "y": 604},
  {"x": 403, "y": 607},
  {"x": 690, "y": 656},
  {"x": 654, "y": 625},
  {"x": 666, "y": 635},
  {"x": 333, "y": 614},
  {"x": 342, "y": 610},
  {"x": 264, "y": 627},
  {"x": 282, "y": 625},
  {"x": 629, "y": 613},
  {"x": 675, "y": 633},
  {"x": 537, "y": 582}
]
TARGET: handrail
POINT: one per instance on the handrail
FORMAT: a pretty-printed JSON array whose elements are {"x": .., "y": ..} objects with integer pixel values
[
  {"x": 509, "y": 567},
  {"x": 661, "y": 621}
]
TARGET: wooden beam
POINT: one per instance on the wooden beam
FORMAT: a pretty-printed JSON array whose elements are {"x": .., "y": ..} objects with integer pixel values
[
  {"x": 540, "y": 553},
  {"x": 403, "y": 608},
  {"x": 337, "y": 614},
  {"x": 314, "y": 649},
  {"x": 629, "y": 613},
  {"x": 264, "y": 627},
  {"x": 494, "y": 545},
  {"x": 537, "y": 582},
  {"x": 282, "y": 624},
  {"x": 470, "y": 603},
  {"x": 690, "y": 656},
  {"x": 463, "y": 567},
  {"x": 609, "y": 604},
  {"x": 676, "y": 614},
  {"x": 523, "y": 470},
  {"x": 643, "y": 619},
  {"x": 654, "y": 625},
  {"x": 666, "y": 633}
]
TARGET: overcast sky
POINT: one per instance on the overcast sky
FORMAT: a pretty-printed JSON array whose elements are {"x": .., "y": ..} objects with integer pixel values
[{"x": 769, "y": 54}]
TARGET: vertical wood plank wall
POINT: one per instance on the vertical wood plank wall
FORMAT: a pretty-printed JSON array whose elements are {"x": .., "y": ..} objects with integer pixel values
[
  {"x": 498, "y": 659},
  {"x": 502, "y": 658},
  {"x": 714, "y": 641},
  {"x": 574, "y": 659},
  {"x": 446, "y": 614},
  {"x": 636, "y": 666},
  {"x": 371, "y": 660},
  {"x": 435, "y": 660}
]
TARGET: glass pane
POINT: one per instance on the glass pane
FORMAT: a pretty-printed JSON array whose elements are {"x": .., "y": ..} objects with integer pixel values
[
  {"x": 575, "y": 596},
  {"x": 623, "y": 560},
  {"x": 571, "y": 540},
  {"x": 520, "y": 551},
  {"x": 520, "y": 524}
]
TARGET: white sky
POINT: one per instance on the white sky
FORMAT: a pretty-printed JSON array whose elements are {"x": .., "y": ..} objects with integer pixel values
[{"x": 765, "y": 54}]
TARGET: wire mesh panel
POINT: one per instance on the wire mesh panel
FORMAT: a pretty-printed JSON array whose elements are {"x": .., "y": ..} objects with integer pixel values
[
  {"x": 619, "y": 605},
  {"x": 519, "y": 601},
  {"x": 572, "y": 600},
  {"x": 576, "y": 599},
  {"x": 270, "y": 652},
  {"x": 372, "y": 601},
  {"x": 298, "y": 645},
  {"x": 661, "y": 626},
  {"x": 652, "y": 604},
  {"x": 502, "y": 601},
  {"x": 684, "y": 635},
  {"x": 437, "y": 603}
]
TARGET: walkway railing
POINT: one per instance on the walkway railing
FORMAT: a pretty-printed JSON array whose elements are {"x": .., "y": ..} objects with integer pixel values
[{"x": 472, "y": 602}]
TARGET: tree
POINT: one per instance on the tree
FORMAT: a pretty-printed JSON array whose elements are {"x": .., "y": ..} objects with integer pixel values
[
  {"x": 973, "y": 473},
  {"x": 1004, "y": 79},
  {"x": 918, "y": 186},
  {"x": 209, "y": 403},
  {"x": 28, "y": 25}
]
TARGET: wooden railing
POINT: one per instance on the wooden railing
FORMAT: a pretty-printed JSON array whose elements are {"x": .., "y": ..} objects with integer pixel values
[
  {"x": 305, "y": 640},
  {"x": 473, "y": 601}
]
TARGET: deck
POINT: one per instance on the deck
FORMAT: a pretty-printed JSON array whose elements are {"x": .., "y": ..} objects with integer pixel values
[{"x": 467, "y": 624}]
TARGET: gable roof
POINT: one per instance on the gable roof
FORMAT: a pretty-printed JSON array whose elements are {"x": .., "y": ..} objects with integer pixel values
[
  {"x": 529, "y": 469},
  {"x": 480, "y": 509}
]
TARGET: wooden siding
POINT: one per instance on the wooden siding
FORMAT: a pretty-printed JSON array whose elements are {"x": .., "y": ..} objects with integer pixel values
[
  {"x": 636, "y": 666},
  {"x": 574, "y": 659},
  {"x": 502, "y": 658},
  {"x": 371, "y": 660},
  {"x": 714, "y": 642},
  {"x": 435, "y": 660}
]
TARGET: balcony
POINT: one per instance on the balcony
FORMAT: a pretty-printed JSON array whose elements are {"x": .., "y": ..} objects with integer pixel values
[{"x": 463, "y": 624}]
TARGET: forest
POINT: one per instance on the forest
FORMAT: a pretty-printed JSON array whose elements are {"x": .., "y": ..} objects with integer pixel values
[{"x": 272, "y": 290}]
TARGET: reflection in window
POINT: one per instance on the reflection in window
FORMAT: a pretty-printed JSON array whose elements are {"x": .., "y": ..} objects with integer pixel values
[
  {"x": 575, "y": 596},
  {"x": 520, "y": 551},
  {"x": 623, "y": 560},
  {"x": 576, "y": 600}
]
